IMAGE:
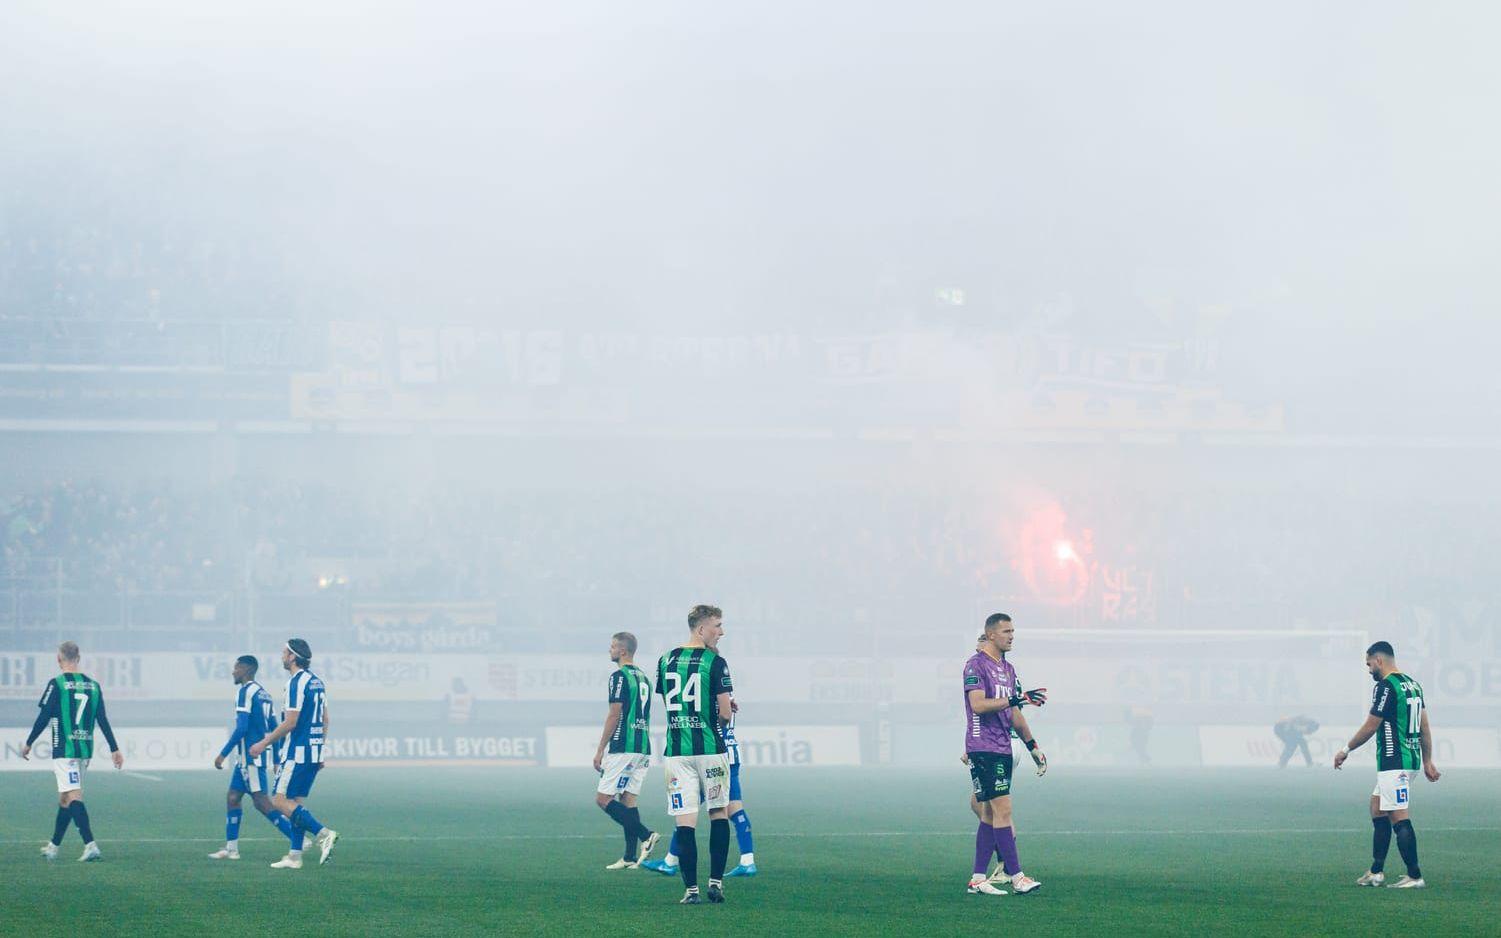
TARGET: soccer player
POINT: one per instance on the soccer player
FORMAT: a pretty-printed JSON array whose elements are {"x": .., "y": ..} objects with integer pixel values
[
  {"x": 254, "y": 717},
  {"x": 304, "y": 724},
  {"x": 627, "y": 737},
  {"x": 993, "y": 699},
  {"x": 694, "y": 682},
  {"x": 747, "y": 864},
  {"x": 72, "y": 705},
  {"x": 1294, "y": 732},
  {"x": 1398, "y": 714}
]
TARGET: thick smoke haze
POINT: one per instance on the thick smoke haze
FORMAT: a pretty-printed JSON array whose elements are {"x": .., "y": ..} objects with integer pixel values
[{"x": 487, "y": 330}]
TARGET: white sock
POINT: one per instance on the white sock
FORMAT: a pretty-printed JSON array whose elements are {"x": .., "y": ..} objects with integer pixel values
[
  {"x": 747, "y": 859},
  {"x": 233, "y": 846},
  {"x": 294, "y": 853},
  {"x": 671, "y": 859}
]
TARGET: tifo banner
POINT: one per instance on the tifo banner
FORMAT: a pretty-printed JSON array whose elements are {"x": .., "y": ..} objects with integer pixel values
[
  {"x": 569, "y": 746},
  {"x": 1104, "y": 679},
  {"x": 151, "y": 748},
  {"x": 1258, "y": 745}
]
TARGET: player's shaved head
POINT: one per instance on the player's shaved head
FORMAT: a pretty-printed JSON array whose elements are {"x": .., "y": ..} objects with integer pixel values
[
  {"x": 68, "y": 651},
  {"x": 994, "y": 621}
]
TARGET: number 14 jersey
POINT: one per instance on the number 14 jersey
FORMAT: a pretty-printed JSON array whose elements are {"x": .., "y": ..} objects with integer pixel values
[{"x": 690, "y": 681}]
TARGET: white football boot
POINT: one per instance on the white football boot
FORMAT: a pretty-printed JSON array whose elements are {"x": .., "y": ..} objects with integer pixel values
[
  {"x": 1370, "y": 879},
  {"x": 979, "y": 884},
  {"x": 621, "y": 865},
  {"x": 90, "y": 854},
  {"x": 1022, "y": 884},
  {"x": 225, "y": 853},
  {"x": 326, "y": 840},
  {"x": 1000, "y": 877},
  {"x": 292, "y": 861},
  {"x": 647, "y": 846},
  {"x": 49, "y": 851},
  {"x": 1407, "y": 882}
]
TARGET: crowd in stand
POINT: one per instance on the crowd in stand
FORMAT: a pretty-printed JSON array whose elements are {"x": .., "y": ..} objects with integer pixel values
[{"x": 890, "y": 554}]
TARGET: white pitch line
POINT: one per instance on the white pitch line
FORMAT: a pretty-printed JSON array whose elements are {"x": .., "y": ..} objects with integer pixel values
[
  {"x": 149, "y": 778},
  {"x": 1026, "y": 832}
]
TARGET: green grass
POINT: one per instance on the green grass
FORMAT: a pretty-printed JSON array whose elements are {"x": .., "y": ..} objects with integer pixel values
[{"x": 862, "y": 852}]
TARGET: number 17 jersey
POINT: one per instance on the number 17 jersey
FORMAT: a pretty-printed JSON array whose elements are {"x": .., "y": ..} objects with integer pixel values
[{"x": 690, "y": 681}]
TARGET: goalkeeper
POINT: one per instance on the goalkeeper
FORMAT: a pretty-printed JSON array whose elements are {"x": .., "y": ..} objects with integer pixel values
[{"x": 992, "y": 700}]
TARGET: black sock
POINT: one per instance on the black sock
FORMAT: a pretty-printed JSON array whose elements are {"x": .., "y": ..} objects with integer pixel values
[
  {"x": 719, "y": 847},
  {"x": 60, "y": 826},
  {"x": 1381, "y": 842},
  {"x": 641, "y": 831},
  {"x": 81, "y": 818},
  {"x": 1407, "y": 845},
  {"x": 618, "y": 814},
  {"x": 621, "y": 815},
  {"x": 688, "y": 856}
]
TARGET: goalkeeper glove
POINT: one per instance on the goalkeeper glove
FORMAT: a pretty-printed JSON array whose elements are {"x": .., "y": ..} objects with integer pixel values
[{"x": 1036, "y": 697}]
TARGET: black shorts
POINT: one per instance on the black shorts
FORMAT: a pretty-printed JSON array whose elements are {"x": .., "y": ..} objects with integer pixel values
[{"x": 991, "y": 774}]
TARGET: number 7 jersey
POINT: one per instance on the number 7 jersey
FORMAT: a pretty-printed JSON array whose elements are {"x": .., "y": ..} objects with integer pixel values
[{"x": 690, "y": 681}]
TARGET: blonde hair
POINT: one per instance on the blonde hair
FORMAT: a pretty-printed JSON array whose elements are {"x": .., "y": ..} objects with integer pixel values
[{"x": 701, "y": 612}]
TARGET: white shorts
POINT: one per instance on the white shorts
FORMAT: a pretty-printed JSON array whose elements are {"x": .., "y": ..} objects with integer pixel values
[
  {"x": 1392, "y": 788},
  {"x": 69, "y": 774},
  {"x": 624, "y": 773},
  {"x": 694, "y": 780}
]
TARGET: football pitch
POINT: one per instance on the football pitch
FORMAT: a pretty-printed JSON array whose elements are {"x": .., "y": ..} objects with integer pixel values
[{"x": 848, "y": 851}]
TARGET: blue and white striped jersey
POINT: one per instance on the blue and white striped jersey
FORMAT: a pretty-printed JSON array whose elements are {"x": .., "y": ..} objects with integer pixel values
[
  {"x": 305, "y": 695},
  {"x": 259, "y": 709},
  {"x": 732, "y": 747}
]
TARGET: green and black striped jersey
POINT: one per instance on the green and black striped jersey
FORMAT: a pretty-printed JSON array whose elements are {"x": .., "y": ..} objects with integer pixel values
[
  {"x": 690, "y": 681},
  {"x": 1398, "y": 701},
  {"x": 630, "y": 688},
  {"x": 72, "y": 703}
]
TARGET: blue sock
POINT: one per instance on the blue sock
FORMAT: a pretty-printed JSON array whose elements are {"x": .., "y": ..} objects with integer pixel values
[
  {"x": 742, "y": 830},
  {"x": 232, "y": 824},
  {"x": 303, "y": 819},
  {"x": 297, "y": 839},
  {"x": 283, "y": 825}
]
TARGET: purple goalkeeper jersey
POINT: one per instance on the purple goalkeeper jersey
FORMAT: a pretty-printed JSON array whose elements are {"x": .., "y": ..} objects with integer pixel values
[{"x": 988, "y": 732}]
